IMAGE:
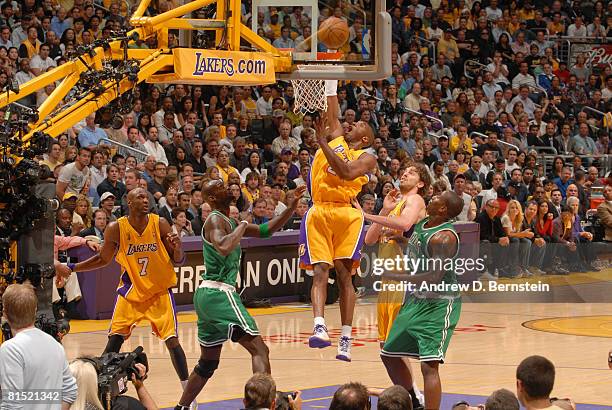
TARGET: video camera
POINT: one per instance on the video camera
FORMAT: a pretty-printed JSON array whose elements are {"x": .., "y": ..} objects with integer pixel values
[
  {"x": 115, "y": 371},
  {"x": 57, "y": 329}
]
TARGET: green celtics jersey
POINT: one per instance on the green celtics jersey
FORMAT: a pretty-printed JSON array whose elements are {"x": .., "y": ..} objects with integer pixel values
[
  {"x": 221, "y": 268},
  {"x": 418, "y": 252}
]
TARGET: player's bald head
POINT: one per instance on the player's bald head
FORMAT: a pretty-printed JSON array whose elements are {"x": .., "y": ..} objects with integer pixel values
[
  {"x": 134, "y": 193},
  {"x": 454, "y": 204},
  {"x": 209, "y": 188}
]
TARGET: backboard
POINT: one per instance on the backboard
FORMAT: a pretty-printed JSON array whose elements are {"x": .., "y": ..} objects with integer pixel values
[{"x": 366, "y": 56}]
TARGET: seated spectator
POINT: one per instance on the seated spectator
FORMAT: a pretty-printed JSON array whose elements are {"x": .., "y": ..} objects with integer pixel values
[
  {"x": 111, "y": 183},
  {"x": 180, "y": 224},
  {"x": 604, "y": 212},
  {"x": 97, "y": 229},
  {"x": 395, "y": 398},
  {"x": 351, "y": 396},
  {"x": 198, "y": 221},
  {"x": 538, "y": 244},
  {"x": 520, "y": 240},
  {"x": 583, "y": 238},
  {"x": 260, "y": 392},
  {"x": 492, "y": 239},
  {"x": 32, "y": 360},
  {"x": 535, "y": 378},
  {"x": 563, "y": 236},
  {"x": 502, "y": 399},
  {"x": 259, "y": 211}
]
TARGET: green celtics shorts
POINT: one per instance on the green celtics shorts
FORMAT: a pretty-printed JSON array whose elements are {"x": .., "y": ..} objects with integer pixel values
[
  {"x": 221, "y": 317},
  {"x": 423, "y": 329}
]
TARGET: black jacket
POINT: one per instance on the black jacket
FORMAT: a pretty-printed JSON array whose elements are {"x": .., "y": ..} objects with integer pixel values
[{"x": 490, "y": 229}]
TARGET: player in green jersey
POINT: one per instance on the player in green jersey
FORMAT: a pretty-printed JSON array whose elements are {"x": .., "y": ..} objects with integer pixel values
[
  {"x": 221, "y": 314},
  {"x": 426, "y": 321}
]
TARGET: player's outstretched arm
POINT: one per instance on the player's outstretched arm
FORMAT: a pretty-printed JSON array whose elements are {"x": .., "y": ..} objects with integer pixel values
[
  {"x": 106, "y": 254},
  {"x": 267, "y": 229},
  {"x": 172, "y": 242},
  {"x": 442, "y": 245},
  {"x": 410, "y": 215},
  {"x": 218, "y": 232},
  {"x": 333, "y": 108}
]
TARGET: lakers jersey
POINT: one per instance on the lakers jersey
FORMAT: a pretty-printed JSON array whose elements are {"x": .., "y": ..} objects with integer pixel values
[
  {"x": 389, "y": 248},
  {"x": 145, "y": 263},
  {"x": 325, "y": 185}
]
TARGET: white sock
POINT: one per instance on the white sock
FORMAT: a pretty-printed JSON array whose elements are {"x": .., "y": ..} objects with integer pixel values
[
  {"x": 347, "y": 330},
  {"x": 331, "y": 88},
  {"x": 319, "y": 320},
  {"x": 416, "y": 389}
]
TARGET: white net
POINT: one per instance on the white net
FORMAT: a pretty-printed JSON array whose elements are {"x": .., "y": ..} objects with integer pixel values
[{"x": 309, "y": 95}]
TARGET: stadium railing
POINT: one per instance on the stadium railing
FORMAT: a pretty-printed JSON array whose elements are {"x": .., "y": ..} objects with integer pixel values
[{"x": 119, "y": 147}]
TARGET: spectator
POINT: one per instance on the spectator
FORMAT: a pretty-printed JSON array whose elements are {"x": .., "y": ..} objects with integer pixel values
[
  {"x": 492, "y": 238},
  {"x": 395, "y": 398},
  {"x": 535, "y": 378},
  {"x": 604, "y": 212},
  {"x": 502, "y": 399},
  {"x": 154, "y": 148},
  {"x": 260, "y": 392},
  {"x": 100, "y": 220},
  {"x": 351, "y": 396},
  {"x": 520, "y": 239},
  {"x": 180, "y": 224},
  {"x": 31, "y": 360},
  {"x": 90, "y": 135},
  {"x": 112, "y": 184},
  {"x": 73, "y": 177}
]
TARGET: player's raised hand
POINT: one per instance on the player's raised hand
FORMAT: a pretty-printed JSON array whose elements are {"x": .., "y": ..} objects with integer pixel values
[
  {"x": 322, "y": 129},
  {"x": 298, "y": 194},
  {"x": 174, "y": 239},
  {"x": 392, "y": 199}
]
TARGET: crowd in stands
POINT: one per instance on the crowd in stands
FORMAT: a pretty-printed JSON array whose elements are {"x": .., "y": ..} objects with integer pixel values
[{"x": 480, "y": 113}]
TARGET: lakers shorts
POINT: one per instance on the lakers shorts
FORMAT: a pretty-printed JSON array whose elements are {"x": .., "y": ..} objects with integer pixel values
[
  {"x": 160, "y": 310},
  {"x": 331, "y": 232},
  {"x": 388, "y": 305},
  {"x": 423, "y": 329}
]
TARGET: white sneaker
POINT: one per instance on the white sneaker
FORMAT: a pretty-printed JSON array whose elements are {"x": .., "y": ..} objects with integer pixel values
[
  {"x": 344, "y": 349},
  {"x": 486, "y": 277},
  {"x": 320, "y": 338},
  {"x": 193, "y": 405}
]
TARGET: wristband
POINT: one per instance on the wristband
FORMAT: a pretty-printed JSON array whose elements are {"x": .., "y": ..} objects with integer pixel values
[
  {"x": 264, "y": 231},
  {"x": 244, "y": 221},
  {"x": 182, "y": 261},
  {"x": 331, "y": 88},
  {"x": 71, "y": 266}
]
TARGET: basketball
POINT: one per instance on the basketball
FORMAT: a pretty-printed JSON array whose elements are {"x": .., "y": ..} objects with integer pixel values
[{"x": 334, "y": 33}]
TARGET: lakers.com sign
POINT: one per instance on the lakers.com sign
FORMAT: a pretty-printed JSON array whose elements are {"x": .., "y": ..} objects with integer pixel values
[{"x": 223, "y": 67}]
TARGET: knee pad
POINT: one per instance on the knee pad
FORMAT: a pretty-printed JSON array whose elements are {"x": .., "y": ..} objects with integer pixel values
[{"x": 206, "y": 368}]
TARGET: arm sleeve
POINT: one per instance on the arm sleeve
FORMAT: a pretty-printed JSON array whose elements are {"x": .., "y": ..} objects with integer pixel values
[
  {"x": 67, "y": 242},
  {"x": 69, "y": 386},
  {"x": 11, "y": 373}
]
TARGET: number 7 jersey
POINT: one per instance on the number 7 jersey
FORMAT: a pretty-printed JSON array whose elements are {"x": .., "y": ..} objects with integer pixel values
[{"x": 145, "y": 264}]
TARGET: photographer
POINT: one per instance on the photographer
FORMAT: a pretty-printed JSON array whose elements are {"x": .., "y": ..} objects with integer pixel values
[
  {"x": 260, "y": 393},
  {"x": 88, "y": 397},
  {"x": 32, "y": 361}
]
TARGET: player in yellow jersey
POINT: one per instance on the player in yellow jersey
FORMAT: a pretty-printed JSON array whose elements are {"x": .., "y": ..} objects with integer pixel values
[
  {"x": 146, "y": 250},
  {"x": 402, "y": 209},
  {"x": 332, "y": 234}
]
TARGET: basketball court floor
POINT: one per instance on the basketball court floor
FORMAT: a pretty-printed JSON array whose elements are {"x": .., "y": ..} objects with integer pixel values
[{"x": 489, "y": 342}]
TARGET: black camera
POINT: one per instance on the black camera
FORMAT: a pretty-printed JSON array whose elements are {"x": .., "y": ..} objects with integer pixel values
[
  {"x": 282, "y": 400},
  {"x": 54, "y": 328},
  {"x": 115, "y": 370}
]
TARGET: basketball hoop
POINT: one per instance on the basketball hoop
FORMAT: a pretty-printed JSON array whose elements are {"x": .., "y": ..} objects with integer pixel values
[
  {"x": 309, "y": 93},
  {"x": 309, "y": 96}
]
